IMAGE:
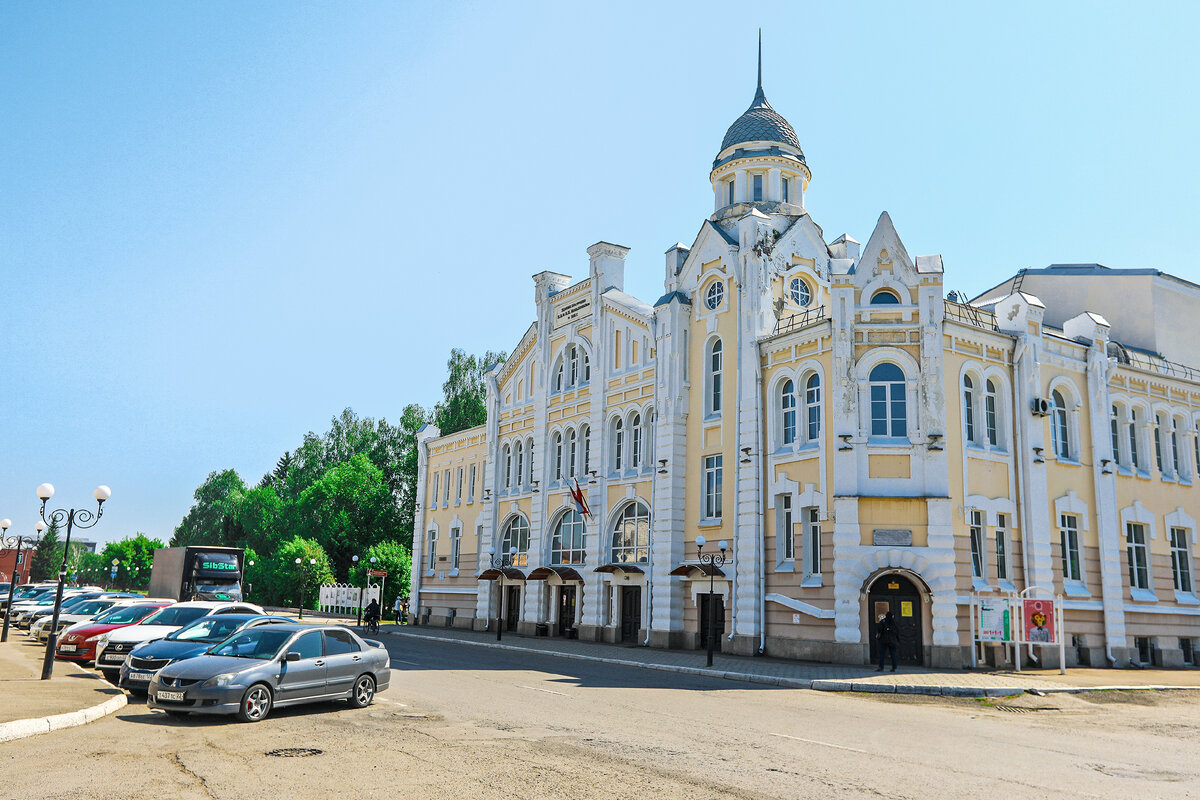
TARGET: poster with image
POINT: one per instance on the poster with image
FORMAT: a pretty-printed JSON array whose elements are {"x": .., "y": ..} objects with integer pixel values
[
  {"x": 995, "y": 620},
  {"x": 1039, "y": 621}
]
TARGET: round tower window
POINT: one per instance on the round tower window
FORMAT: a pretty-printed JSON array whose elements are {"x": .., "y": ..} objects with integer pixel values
[
  {"x": 799, "y": 292},
  {"x": 715, "y": 294}
]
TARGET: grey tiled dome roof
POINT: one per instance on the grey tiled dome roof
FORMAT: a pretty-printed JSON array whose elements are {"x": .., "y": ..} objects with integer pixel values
[{"x": 760, "y": 123}]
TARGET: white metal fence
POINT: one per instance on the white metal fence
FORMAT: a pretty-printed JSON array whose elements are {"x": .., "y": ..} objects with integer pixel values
[{"x": 342, "y": 598}]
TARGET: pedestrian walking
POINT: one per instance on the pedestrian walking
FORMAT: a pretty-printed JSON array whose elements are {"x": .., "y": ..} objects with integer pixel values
[{"x": 888, "y": 637}]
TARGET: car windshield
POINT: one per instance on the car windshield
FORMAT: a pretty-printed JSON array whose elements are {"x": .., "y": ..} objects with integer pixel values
[
  {"x": 208, "y": 629},
  {"x": 177, "y": 616},
  {"x": 91, "y": 607},
  {"x": 263, "y": 643},
  {"x": 126, "y": 614}
]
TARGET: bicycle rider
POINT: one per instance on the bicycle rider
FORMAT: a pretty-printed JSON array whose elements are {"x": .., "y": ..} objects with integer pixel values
[{"x": 371, "y": 614}]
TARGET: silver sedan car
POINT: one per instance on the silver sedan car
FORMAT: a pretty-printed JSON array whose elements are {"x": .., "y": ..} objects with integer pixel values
[{"x": 255, "y": 670}]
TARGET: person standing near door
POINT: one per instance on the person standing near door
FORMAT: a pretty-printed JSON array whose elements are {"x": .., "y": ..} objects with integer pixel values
[{"x": 888, "y": 636}]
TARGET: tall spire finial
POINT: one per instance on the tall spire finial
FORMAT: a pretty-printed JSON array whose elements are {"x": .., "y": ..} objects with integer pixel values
[{"x": 760, "y": 59}]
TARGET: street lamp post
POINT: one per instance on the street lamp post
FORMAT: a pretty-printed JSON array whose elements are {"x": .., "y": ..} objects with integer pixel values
[
  {"x": 501, "y": 562},
  {"x": 358, "y": 622},
  {"x": 84, "y": 519},
  {"x": 249, "y": 586},
  {"x": 17, "y": 542},
  {"x": 302, "y": 582},
  {"x": 712, "y": 561}
]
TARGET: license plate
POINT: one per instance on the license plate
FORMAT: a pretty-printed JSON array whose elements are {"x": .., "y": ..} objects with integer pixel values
[
  {"x": 140, "y": 676},
  {"x": 118, "y": 658},
  {"x": 174, "y": 697},
  {"x": 67, "y": 648}
]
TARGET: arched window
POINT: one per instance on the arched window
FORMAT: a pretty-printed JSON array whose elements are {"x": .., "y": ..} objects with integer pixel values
[
  {"x": 889, "y": 408},
  {"x": 569, "y": 456},
  {"x": 1060, "y": 435},
  {"x": 585, "y": 445},
  {"x": 631, "y": 535},
  {"x": 989, "y": 413},
  {"x": 787, "y": 402},
  {"x": 1175, "y": 459},
  {"x": 557, "y": 449},
  {"x": 572, "y": 365},
  {"x": 508, "y": 465},
  {"x": 1134, "y": 460},
  {"x": 969, "y": 406},
  {"x": 585, "y": 367},
  {"x": 798, "y": 291},
  {"x": 566, "y": 543},
  {"x": 885, "y": 297},
  {"x": 812, "y": 405},
  {"x": 558, "y": 377},
  {"x": 1115, "y": 433},
  {"x": 516, "y": 534},
  {"x": 635, "y": 451},
  {"x": 528, "y": 461},
  {"x": 618, "y": 443},
  {"x": 714, "y": 376},
  {"x": 518, "y": 458}
]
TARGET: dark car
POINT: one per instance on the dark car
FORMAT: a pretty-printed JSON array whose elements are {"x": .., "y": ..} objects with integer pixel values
[
  {"x": 189, "y": 641},
  {"x": 273, "y": 665}
]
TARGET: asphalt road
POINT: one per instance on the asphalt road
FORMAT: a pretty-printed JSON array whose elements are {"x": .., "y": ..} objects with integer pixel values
[{"x": 467, "y": 722}]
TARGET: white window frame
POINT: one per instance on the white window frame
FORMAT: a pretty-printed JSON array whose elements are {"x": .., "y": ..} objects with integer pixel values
[
  {"x": 799, "y": 292},
  {"x": 1180, "y": 540},
  {"x": 712, "y": 486},
  {"x": 455, "y": 547},
  {"x": 1068, "y": 543},
  {"x": 978, "y": 533},
  {"x": 516, "y": 534},
  {"x": 631, "y": 535},
  {"x": 714, "y": 356},
  {"x": 1002, "y": 549},
  {"x": 785, "y": 535},
  {"x": 812, "y": 407},
  {"x": 787, "y": 410},
  {"x": 1140, "y": 576},
  {"x": 889, "y": 390},
  {"x": 812, "y": 541},
  {"x": 430, "y": 551},
  {"x": 714, "y": 295},
  {"x": 471, "y": 486},
  {"x": 574, "y": 551},
  {"x": 459, "y": 485}
]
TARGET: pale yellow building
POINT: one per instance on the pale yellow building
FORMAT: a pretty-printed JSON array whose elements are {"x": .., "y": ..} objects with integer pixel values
[{"x": 860, "y": 441}]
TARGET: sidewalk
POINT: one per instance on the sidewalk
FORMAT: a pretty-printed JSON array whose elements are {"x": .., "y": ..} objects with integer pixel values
[
  {"x": 824, "y": 677},
  {"x": 29, "y": 705}
]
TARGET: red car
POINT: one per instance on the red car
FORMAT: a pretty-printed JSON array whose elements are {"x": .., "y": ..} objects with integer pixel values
[{"x": 79, "y": 643}]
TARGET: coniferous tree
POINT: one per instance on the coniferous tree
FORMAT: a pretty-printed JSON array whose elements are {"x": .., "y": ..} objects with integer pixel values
[{"x": 47, "y": 556}]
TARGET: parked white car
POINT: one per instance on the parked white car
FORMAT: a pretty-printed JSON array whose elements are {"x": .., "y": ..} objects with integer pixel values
[
  {"x": 86, "y": 611},
  {"x": 113, "y": 648}
]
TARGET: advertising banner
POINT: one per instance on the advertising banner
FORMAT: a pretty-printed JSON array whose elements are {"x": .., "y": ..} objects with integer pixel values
[
  {"x": 1039, "y": 621},
  {"x": 995, "y": 620}
]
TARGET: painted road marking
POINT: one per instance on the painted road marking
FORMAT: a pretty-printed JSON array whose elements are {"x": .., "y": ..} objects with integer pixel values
[
  {"x": 823, "y": 744},
  {"x": 547, "y": 691}
]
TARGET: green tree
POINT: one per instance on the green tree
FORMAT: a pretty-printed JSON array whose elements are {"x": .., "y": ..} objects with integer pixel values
[
  {"x": 349, "y": 509},
  {"x": 397, "y": 560},
  {"x": 411, "y": 421},
  {"x": 465, "y": 391},
  {"x": 288, "y": 578},
  {"x": 212, "y": 520},
  {"x": 47, "y": 555},
  {"x": 258, "y": 517},
  {"x": 135, "y": 557}
]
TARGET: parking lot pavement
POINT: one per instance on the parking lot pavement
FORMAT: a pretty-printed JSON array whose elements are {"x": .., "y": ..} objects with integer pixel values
[
  {"x": 470, "y": 722},
  {"x": 23, "y": 695}
]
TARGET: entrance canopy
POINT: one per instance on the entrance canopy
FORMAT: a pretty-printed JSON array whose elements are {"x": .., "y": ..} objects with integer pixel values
[
  {"x": 698, "y": 571},
  {"x": 610, "y": 568},
  {"x": 493, "y": 574},
  {"x": 564, "y": 573}
]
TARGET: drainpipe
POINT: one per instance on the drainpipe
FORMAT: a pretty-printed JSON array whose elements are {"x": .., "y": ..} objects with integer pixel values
[
  {"x": 1019, "y": 348},
  {"x": 762, "y": 514},
  {"x": 737, "y": 469},
  {"x": 653, "y": 485}
]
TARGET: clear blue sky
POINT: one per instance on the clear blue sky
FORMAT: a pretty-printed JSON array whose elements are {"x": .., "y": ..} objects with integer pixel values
[{"x": 222, "y": 223}]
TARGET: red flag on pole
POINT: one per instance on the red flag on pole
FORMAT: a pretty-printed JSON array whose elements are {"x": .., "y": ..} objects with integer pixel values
[{"x": 580, "y": 503}]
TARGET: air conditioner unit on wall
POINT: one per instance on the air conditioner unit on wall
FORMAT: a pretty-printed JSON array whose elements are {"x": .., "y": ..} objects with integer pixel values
[{"x": 1041, "y": 406}]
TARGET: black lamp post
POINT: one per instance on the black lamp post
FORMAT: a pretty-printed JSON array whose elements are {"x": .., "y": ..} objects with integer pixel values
[
  {"x": 249, "y": 586},
  {"x": 501, "y": 562},
  {"x": 74, "y": 517},
  {"x": 712, "y": 561},
  {"x": 15, "y": 542}
]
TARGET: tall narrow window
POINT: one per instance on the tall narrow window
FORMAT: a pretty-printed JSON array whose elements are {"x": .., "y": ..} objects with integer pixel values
[
  {"x": 446, "y": 496},
  {"x": 558, "y": 457},
  {"x": 1059, "y": 434},
  {"x": 1068, "y": 536},
  {"x": 989, "y": 414},
  {"x": 1181, "y": 560},
  {"x": 787, "y": 401},
  {"x": 471, "y": 486},
  {"x": 431, "y": 551},
  {"x": 783, "y": 520},
  {"x": 812, "y": 405},
  {"x": 1196, "y": 448},
  {"x": 618, "y": 443},
  {"x": 812, "y": 541},
  {"x": 558, "y": 377},
  {"x": 516, "y": 534},
  {"x": 508, "y": 465},
  {"x": 1115, "y": 432},
  {"x": 570, "y": 453},
  {"x": 434, "y": 496},
  {"x": 1175, "y": 450},
  {"x": 714, "y": 377},
  {"x": 528, "y": 463},
  {"x": 585, "y": 369},
  {"x": 969, "y": 406},
  {"x": 585, "y": 436},
  {"x": 617, "y": 350},
  {"x": 787, "y": 186},
  {"x": 1001, "y": 547},
  {"x": 758, "y": 187},
  {"x": 518, "y": 463},
  {"x": 1139, "y": 562},
  {"x": 635, "y": 433},
  {"x": 573, "y": 362},
  {"x": 1158, "y": 444},
  {"x": 977, "y": 544},
  {"x": 730, "y": 192},
  {"x": 455, "y": 546},
  {"x": 712, "y": 487},
  {"x": 889, "y": 413},
  {"x": 1133, "y": 437},
  {"x": 458, "y": 489}
]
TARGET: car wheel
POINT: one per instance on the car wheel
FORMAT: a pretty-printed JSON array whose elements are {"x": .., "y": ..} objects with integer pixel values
[
  {"x": 256, "y": 704},
  {"x": 364, "y": 692}
]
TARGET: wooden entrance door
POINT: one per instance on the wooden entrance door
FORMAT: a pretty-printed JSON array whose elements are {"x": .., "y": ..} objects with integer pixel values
[
  {"x": 513, "y": 607},
  {"x": 897, "y": 594},
  {"x": 566, "y": 609},
  {"x": 718, "y": 606},
  {"x": 631, "y": 612}
]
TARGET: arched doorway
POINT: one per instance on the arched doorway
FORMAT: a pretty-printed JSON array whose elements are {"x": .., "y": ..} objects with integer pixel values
[{"x": 896, "y": 593}]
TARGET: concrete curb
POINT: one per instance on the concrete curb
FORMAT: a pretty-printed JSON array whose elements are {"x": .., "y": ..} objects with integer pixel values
[
  {"x": 21, "y": 728},
  {"x": 819, "y": 684}
]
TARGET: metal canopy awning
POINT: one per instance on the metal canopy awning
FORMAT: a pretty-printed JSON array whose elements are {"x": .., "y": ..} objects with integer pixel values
[
  {"x": 698, "y": 570},
  {"x": 630, "y": 568},
  {"x": 492, "y": 574},
  {"x": 564, "y": 573}
]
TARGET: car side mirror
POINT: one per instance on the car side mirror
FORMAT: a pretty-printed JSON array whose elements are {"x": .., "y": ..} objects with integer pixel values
[{"x": 292, "y": 656}]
